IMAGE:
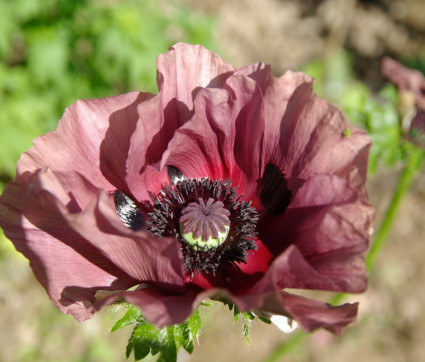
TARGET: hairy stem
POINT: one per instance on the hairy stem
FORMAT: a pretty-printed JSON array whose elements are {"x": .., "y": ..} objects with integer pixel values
[
  {"x": 286, "y": 347},
  {"x": 414, "y": 162}
]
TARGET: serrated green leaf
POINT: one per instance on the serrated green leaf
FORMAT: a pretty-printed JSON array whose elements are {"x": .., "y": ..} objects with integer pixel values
[
  {"x": 166, "y": 341},
  {"x": 265, "y": 320},
  {"x": 247, "y": 318},
  {"x": 132, "y": 315},
  {"x": 189, "y": 347},
  {"x": 236, "y": 314},
  {"x": 248, "y": 315},
  {"x": 246, "y": 326},
  {"x": 181, "y": 334},
  {"x": 128, "y": 349},
  {"x": 186, "y": 332},
  {"x": 169, "y": 347},
  {"x": 194, "y": 325},
  {"x": 144, "y": 337}
]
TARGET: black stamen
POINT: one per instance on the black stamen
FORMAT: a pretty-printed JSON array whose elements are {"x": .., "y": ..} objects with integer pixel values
[
  {"x": 274, "y": 194},
  {"x": 174, "y": 174},
  {"x": 165, "y": 220},
  {"x": 219, "y": 206},
  {"x": 129, "y": 213}
]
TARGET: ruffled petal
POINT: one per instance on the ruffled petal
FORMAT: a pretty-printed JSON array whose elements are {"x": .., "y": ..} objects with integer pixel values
[
  {"x": 164, "y": 309},
  {"x": 181, "y": 73},
  {"x": 185, "y": 68},
  {"x": 312, "y": 314},
  {"x": 320, "y": 141},
  {"x": 276, "y": 96},
  {"x": 159, "y": 307},
  {"x": 139, "y": 254},
  {"x": 292, "y": 269},
  {"x": 69, "y": 268},
  {"x": 261, "y": 73},
  {"x": 92, "y": 138},
  {"x": 305, "y": 135},
  {"x": 308, "y": 207},
  {"x": 330, "y": 225},
  {"x": 223, "y": 139},
  {"x": 154, "y": 129},
  {"x": 406, "y": 79}
]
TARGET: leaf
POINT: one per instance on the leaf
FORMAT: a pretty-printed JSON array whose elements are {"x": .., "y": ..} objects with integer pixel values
[
  {"x": 166, "y": 341},
  {"x": 265, "y": 320},
  {"x": 246, "y": 325},
  {"x": 194, "y": 325},
  {"x": 144, "y": 338},
  {"x": 132, "y": 315},
  {"x": 188, "y": 331},
  {"x": 236, "y": 314},
  {"x": 168, "y": 347}
]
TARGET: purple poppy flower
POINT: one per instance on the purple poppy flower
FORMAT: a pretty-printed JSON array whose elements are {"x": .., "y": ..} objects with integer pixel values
[
  {"x": 230, "y": 184},
  {"x": 411, "y": 85},
  {"x": 406, "y": 79}
]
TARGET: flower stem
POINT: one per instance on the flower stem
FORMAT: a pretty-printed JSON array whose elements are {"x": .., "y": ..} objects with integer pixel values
[
  {"x": 287, "y": 346},
  {"x": 414, "y": 163}
]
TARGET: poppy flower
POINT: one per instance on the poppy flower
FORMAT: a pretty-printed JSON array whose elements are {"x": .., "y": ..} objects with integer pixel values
[
  {"x": 227, "y": 184},
  {"x": 411, "y": 87},
  {"x": 406, "y": 79}
]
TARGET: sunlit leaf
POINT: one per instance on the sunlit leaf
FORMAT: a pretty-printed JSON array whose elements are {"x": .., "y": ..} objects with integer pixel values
[{"x": 132, "y": 315}]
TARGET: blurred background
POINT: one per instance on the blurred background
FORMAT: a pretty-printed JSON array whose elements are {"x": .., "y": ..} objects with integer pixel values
[{"x": 54, "y": 52}]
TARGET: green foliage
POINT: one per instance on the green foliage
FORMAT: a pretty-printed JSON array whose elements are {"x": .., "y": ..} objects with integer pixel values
[
  {"x": 382, "y": 122},
  {"x": 147, "y": 339},
  {"x": 54, "y": 52},
  {"x": 130, "y": 317},
  {"x": 247, "y": 318}
]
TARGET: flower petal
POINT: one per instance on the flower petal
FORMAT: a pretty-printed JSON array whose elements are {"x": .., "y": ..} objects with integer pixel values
[
  {"x": 181, "y": 72},
  {"x": 138, "y": 253},
  {"x": 292, "y": 269},
  {"x": 116, "y": 145},
  {"x": 92, "y": 138},
  {"x": 406, "y": 79},
  {"x": 330, "y": 225},
  {"x": 312, "y": 314},
  {"x": 58, "y": 255},
  {"x": 276, "y": 96},
  {"x": 185, "y": 68},
  {"x": 164, "y": 309},
  {"x": 260, "y": 72},
  {"x": 159, "y": 307},
  {"x": 224, "y": 137}
]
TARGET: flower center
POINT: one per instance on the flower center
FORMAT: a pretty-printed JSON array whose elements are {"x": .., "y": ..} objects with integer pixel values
[
  {"x": 205, "y": 225},
  {"x": 215, "y": 228}
]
